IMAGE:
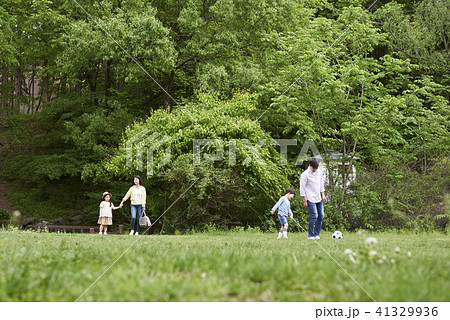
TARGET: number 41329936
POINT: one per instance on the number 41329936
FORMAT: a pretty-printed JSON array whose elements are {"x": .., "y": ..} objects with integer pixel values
[{"x": 407, "y": 312}]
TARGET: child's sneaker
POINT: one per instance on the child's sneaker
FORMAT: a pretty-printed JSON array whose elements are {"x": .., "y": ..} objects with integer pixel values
[
  {"x": 136, "y": 234},
  {"x": 105, "y": 232},
  {"x": 99, "y": 233},
  {"x": 311, "y": 238},
  {"x": 316, "y": 237},
  {"x": 131, "y": 232}
]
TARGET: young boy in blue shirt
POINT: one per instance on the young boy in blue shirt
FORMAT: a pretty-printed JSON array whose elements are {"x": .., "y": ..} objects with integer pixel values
[{"x": 284, "y": 209}]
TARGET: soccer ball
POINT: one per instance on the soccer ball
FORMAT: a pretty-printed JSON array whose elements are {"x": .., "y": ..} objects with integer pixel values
[{"x": 337, "y": 235}]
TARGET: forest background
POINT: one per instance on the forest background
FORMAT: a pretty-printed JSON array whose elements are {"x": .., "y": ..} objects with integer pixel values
[{"x": 366, "y": 79}]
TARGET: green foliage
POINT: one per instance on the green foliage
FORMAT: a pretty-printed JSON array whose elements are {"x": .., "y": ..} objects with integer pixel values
[
  {"x": 29, "y": 45},
  {"x": 350, "y": 99},
  {"x": 44, "y": 160},
  {"x": 4, "y": 214},
  {"x": 6, "y": 37},
  {"x": 406, "y": 200},
  {"x": 214, "y": 183},
  {"x": 369, "y": 82}
]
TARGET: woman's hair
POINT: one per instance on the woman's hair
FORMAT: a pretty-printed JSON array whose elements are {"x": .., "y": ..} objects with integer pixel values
[{"x": 140, "y": 180}]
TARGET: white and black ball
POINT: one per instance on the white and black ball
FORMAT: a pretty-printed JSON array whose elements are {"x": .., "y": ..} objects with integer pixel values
[{"x": 337, "y": 235}]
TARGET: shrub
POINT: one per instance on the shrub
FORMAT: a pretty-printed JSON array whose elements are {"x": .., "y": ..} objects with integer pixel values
[
  {"x": 4, "y": 215},
  {"x": 215, "y": 191}
]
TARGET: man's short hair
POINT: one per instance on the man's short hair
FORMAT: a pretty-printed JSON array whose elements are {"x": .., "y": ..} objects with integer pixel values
[
  {"x": 314, "y": 163},
  {"x": 289, "y": 190}
]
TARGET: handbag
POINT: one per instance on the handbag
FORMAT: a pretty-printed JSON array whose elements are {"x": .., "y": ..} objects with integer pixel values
[{"x": 144, "y": 221}]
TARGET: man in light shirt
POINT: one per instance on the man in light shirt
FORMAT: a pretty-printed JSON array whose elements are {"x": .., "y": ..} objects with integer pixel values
[{"x": 312, "y": 192}]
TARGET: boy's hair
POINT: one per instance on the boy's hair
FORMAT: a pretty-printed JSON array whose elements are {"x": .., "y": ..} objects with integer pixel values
[
  {"x": 314, "y": 163},
  {"x": 289, "y": 190}
]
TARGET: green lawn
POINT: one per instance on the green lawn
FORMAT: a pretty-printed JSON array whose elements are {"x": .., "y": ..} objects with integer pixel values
[{"x": 240, "y": 266}]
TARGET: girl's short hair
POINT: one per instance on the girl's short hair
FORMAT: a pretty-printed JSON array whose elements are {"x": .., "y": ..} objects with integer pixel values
[{"x": 289, "y": 190}]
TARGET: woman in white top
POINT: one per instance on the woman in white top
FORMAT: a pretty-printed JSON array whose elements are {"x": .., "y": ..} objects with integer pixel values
[{"x": 138, "y": 198}]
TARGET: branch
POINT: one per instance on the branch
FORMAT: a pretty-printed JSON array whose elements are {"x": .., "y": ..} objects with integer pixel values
[
  {"x": 362, "y": 87},
  {"x": 186, "y": 61},
  {"x": 413, "y": 57},
  {"x": 395, "y": 39}
]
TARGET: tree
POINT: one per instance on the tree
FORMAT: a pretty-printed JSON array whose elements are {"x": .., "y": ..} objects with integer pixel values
[
  {"x": 28, "y": 52},
  {"x": 225, "y": 190},
  {"x": 334, "y": 90},
  {"x": 422, "y": 35}
]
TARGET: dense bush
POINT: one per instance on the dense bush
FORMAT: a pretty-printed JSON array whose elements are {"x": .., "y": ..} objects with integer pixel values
[
  {"x": 216, "y": 192},
  {"x": 4, "y": 214},
  {"x": 405, "y": 200}
]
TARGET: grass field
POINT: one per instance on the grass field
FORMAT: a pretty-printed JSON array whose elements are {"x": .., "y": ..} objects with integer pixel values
[{"x": 241, "y": 266}]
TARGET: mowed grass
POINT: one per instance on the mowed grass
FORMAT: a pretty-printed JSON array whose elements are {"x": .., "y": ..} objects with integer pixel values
[{"x": 222, "y": 267}]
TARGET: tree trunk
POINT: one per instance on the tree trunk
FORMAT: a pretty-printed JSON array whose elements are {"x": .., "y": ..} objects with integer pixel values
[
  {"x": 17, "y": 90},
  {"x": 168, "y": 89},
  {"x": 5, "y": 74},
  {"x": 45, "y": 84},
  {"x": 107, "y": 81},
  {"x": 4, "y": 99},
  {"x": 78, "y": 86},
  {"x": 31, "y": 91},
  {"x": 93, "y": 76},
  {"x": 121, "y": 84}
]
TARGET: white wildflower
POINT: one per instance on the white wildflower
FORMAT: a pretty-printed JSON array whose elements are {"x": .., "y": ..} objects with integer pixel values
[
  {"x": 371, "y": 240},
  {"x": 397, "y": 249},
  {"x": 392, "y": 260},
  {"x": 372, "y": 253},
  {"x": 348, "y": 251},
  {"x": 409, "y": 254}
]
